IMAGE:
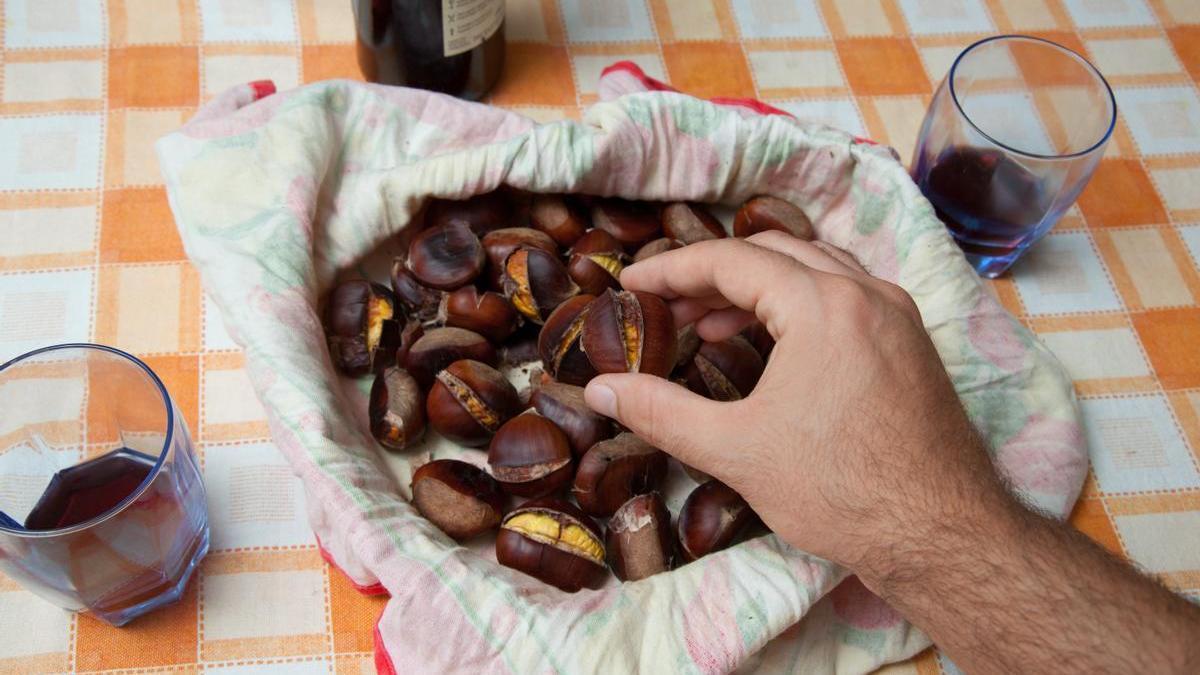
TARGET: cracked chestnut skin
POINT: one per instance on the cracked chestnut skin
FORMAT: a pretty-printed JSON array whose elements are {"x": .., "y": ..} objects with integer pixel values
[
  {"x": 564, "y": 405},
  {"x": 711, "y": 519},
  {"x": 469, "y": 401},
  {"x": 724, "y": 371},
  {"x": 596, "y": 261},
  {"x": 439, "y": 347},
  {"x": 421, "y": 303},
  {"x": 566, "y": 552},
  {"x": 629, "y": 331},
  {"x": 460, "y": 498},
  {"x": 397, "y": 409},
  {"x": 764, "y": 212},
  {"x": 361, "y": 327},
  {"x": 536, "y": 282},
  {"x": 487, "y": 313},
  {"x": 613, "y": 471},
  {"x": 499, "y": 244},
  {"x": 559, "y": 342},
  {"x": 639, "y": 541},
  {"x": 530, "y": 456}
]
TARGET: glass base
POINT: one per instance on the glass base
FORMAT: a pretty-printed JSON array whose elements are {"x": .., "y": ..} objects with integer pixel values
[{"x": 170, "y": 595}]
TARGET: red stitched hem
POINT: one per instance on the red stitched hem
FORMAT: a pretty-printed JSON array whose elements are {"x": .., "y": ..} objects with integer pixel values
[
  {"x": 262, "y": 88},
  {"x": 383, "y": 660}
]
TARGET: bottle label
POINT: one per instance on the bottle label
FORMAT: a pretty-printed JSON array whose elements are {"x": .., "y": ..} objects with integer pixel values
[{"x": 467, "y": 23}]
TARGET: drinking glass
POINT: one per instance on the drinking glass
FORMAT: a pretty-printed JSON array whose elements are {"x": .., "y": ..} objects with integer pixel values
[
  {"x": 1010, "y": 139},
  {"x": 103, "y": 507}
]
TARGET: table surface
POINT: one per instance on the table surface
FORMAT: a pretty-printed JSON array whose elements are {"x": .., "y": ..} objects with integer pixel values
[{"x": 89, "y": 252}]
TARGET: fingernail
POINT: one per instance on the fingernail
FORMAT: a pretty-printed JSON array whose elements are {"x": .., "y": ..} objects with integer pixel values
[{"x": 601, "y": 398}]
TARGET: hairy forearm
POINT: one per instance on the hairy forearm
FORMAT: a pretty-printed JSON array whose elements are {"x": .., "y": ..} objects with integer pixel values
[{"x": 1001, "y": 589}]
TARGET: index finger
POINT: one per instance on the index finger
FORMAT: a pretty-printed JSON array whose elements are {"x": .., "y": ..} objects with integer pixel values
[{"x": 750, "y": 277}]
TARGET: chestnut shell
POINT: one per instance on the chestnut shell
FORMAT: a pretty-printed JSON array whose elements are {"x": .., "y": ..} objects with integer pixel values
[
  {"x": 661, "y": 245},
  {"x": 632, "y": 223},
  {"x": 559, "y": 342},
  {"x": 558, "y": 217},
  {"x": 439, "y": 347},
  {"x": 397, "y": 409},
  {"x": 558, "y": 567},
  {"x": 613, "y": 471},
  {"x": 348, "y": 318},
  {"x": 724, "y": 371},
  {"x": 639, "y": 542},
  {"x": 469, "y": 401},
  {"x": 765, "y": 212},
  {"x": 499, "y": 244},
  {"x": 536, "y": 282},
  {"x": 446, "y": 257},
  {"x": 596, "y": 261},
  {"x": 487, "y": 313},
  {"x": 530, "y": 456},
  {"x": 564, "y": 405},
  {"x": 461, "y": 499},
  {"x": 629, "y": 331},
  {"x": 711, "y": 519},
  {"x": 420, "y": 302},
  {"x": 690, "y": 223}
]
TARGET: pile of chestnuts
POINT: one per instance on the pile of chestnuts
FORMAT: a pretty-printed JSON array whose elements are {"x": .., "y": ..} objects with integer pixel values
[{"x": 508, "y": 278}]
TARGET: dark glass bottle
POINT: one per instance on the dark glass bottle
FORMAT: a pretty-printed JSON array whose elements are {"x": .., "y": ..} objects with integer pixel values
[{"x": 451, "y": 46}]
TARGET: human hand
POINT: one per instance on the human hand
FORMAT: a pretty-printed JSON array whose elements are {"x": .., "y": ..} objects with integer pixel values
[{"x": 854, "y": 434}]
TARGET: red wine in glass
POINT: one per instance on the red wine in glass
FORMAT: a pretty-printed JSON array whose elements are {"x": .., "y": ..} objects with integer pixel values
[
  {"x": 82, "y": 492},
  {"x": 993, "y": 206}
]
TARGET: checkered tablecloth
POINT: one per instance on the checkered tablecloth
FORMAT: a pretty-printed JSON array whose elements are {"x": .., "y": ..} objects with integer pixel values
[{"x": 89, "y": 252}]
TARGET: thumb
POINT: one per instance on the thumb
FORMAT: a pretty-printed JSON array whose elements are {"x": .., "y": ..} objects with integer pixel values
[{"x": 669, "y": 417}]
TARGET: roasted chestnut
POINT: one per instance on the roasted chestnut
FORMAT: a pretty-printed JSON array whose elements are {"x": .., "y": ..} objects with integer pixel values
[
  {"x": 536, "y": 282},
  {"x": 482, "y": 213},
  {"x": 596, "y": 262},
  {"x": 499, "y": 244},
  {"x": 530, "y": 456},
  {"x": 612, "y": 471},
  {"x": 397, "y": 409},
  {"x": 409, "y": 334},
  {"x": 559, "y": 345},
  {"x": 520, "y": 348},
  {"x": 440, "y": 347},
  {"x": 724, "y": 371},
  {"x": 629, "y": 331},
  {"x": 639, "y": 541},
  {"x": 551, "y": 540},
  {"x": 361, "y": 328},
  {"x": 564, "y": 405},
  {"x": 690, "y": 223},
  {"x": 446, "y": 257},
  {"x": 460, "y": 498},
  {"x": 557, "y": 217},
  {"x": 488, "y": 314},
  {"x": 661, "y": 245},
  {"x": 711, "y": 518},
  {"x": 772, "y": 213},
  {"x": 632, "y": 223},
  {"x": 419, "y": 302},
  {"x": 760, "y": 338},
  {"x": 469, "y": 401}
]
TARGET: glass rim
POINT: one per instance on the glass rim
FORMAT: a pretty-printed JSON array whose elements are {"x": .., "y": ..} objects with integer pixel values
[
  {"x": 1112, "y": 122},
  {"x": 168, "y": 439}
]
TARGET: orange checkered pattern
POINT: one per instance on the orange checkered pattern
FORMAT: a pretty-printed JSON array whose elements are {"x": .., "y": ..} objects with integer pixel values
[{"x": 89, "y": 252}]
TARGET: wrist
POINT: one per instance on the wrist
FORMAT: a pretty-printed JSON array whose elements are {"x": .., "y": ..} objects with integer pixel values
[{"x": 943, "y": 530}]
